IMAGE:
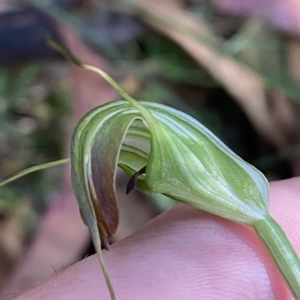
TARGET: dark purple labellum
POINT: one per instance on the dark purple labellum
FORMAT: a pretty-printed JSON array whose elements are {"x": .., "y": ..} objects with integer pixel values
[{"x": 133, "y": 178}]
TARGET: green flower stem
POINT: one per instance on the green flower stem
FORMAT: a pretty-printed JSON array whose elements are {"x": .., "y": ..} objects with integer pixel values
[
  {"x": 97, "y": 245},
  {"x": 35, "y": 169},
  {"x": 122, "y": 92},
  {"x": 282, "y": 252}
]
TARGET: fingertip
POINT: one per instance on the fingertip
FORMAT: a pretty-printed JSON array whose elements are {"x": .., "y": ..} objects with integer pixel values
[{"x": 285, "y": 207}]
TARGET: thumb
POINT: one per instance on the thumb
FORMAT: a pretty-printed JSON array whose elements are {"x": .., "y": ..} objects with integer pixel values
[{"x": 186, "y": 253}]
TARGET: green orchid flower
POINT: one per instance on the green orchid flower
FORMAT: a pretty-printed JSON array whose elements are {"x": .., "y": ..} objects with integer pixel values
[
  {"x": 165, "y": 151},
  {"x": 168, "y": 152}
]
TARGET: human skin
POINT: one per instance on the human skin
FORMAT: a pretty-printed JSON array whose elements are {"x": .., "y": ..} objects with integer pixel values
[{"x": 185, "y": 253}]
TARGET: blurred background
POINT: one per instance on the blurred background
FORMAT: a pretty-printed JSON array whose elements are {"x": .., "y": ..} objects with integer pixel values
[{"x": 233, "y": 65}]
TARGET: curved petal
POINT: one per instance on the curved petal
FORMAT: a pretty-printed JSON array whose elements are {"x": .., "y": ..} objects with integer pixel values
[{"x": 94, "y": 161}]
